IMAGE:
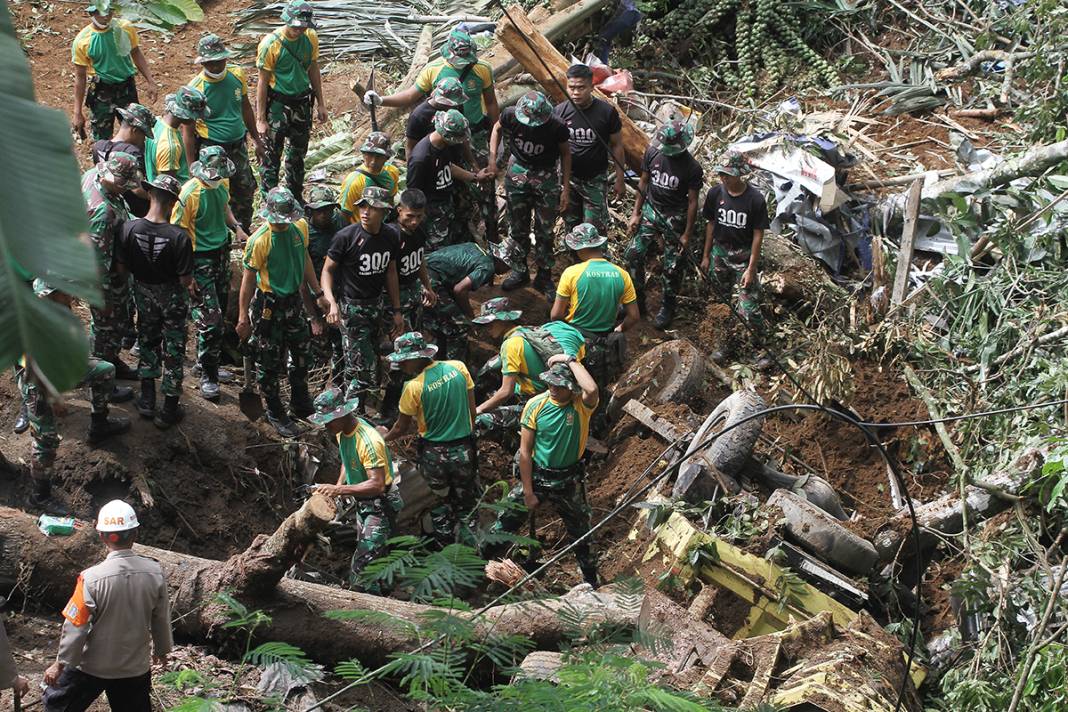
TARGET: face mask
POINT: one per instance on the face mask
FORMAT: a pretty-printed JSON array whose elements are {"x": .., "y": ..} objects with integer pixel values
[
  {"x": 215, "y": 75},
  {"x": 99, "y": 25}
]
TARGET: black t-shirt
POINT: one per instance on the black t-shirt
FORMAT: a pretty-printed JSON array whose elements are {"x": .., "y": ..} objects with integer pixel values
[
  {"x": 589, "y": 130},
  {"x": 155, "y": 253},
  {"x": 734, "y": 218},
  {"x": 534, "y": 146},
  {"x": 410, "y": 254},
  {"x": 363, "y": 259},
  {"x": 421, "y": 121},
  {"x": 103, "y": 148},
  {"x": 430, "y": 171},
  {"x": 671, "y": 178}
]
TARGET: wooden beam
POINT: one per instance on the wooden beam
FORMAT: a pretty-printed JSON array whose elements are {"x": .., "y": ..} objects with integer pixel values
[
  {"x": 908, "y": 242},
  {"x": 537, "y": 56}
]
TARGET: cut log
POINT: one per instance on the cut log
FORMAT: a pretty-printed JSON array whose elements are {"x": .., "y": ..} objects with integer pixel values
[
  {"x": 46, "y": 568},
  {"x": 538, "y": 56},
  {"x": 1030, "y": 163}
]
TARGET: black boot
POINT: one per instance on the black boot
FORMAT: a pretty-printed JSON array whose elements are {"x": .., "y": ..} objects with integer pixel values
[
  {"x": 120, "y": 394},
  {"x": 22, "y": 420},
  {"x": 543, "y": 282},
  {"x": 515, "y": 280},
  {"x": 41, "y": 499},
  {"x": 277, "y": 416},
  {"x": 146, "y": 403},
  {"x": 209, "y": 383},
  {"x": 102, "y": 427},
  {"x": 170, "y": 414},
  {"x": 587, "y": 565},
  {"x": 391, "y": 399},
  {"x": 666, "y": 315},
  {"x": 300, "y": 402},
  {"x": 124, "y": 372}
]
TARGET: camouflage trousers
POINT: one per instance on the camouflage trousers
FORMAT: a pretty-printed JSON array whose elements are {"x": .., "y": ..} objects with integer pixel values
[
  {"x": 587, "y": 202},
  {"x": 448, "y": 326},
  {"x": 411, "y": 303},
  {"x": 375, "y": 523},
  {"x": 670, "y": 228},
  {"x": 565, "y": 489},
  {"x": 533, "y": 195},
  {"x": 501, "y": 425},
  {"x": 103, "y": 101},
  {"x": 211, "y": 272},
  {"x": 242, "y": 182},
  {"x": 107, "y": 323},
  {"x": 728, "y": 266},
  {"x": 99, "y": 378},
  {"x": 442, "y": 226},
  {"x": 162, "y": 310},
  {"x": 289, "y": 131},
  {"x": 478, "y": 201},
  {"x": 361, "y": 324},
  {"x": 604, "y": 361},
  {"x": 278, "y": 328},
  {"x": 327, "y": 350},
  {"x": 450, "y": 472}
]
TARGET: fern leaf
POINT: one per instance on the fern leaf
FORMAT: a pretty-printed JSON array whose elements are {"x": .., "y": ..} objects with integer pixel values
[{"x": 278, "y": 652}]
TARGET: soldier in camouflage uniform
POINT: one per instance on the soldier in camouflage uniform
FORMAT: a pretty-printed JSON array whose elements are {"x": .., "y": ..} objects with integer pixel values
[
  {"x": 555, "y": 427},
  {"x": 666, "y": 205},
  {"x": 324, "y": 221},
  {"x": 278, "y": 277},
  {"x": 538, "y": 141},
  {"x": 102, "y": 189},
  {"x": 289, "y": 86},
  {"x": 367, "y": 475},
  {"x": 439, "y": 400}
]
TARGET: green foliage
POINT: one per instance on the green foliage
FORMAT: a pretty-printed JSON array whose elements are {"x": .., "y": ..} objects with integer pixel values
[
  {"x": 196, "y": 704},
  {"x": 160, "y": 15},
  {"x": 184, "y": 679},
  {"x": 426, "y": 574},
  {"x": 278, "y": 653},
  {"x": 1049, "y": 486}
]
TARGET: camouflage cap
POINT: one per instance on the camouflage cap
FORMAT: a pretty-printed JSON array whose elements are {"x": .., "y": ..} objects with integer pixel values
[
  {"x": 449, "y": 93},
  {"x": 674, "y": 137},
  {"x": 187, "y": 104},
  {"x": 331, "y": 404},
  {"x": 138, "y": 116},
  {"x": 298, "y": 13},
  {"x": 498, "y": 309},
  {"x": 281, "y": 207},
  {"x": 733, "y": 163},
  {"x": 559, "y": 374},
  {"x": 452, "y": 125},
  {"x": 377, "y": 142},
  {"x": 583, "y": 237},
  {"x": 533, "y": 109},
  {"x": 122, "y": 169},
  {"x": 213, "y": 164},
  {"x": 459, "y": 49},
  {"x": 410, "y": 346},
  {"x": 321, "y": 196},
  {"x": 375, "y": 197},
  {"x": 211, "y": 48},
  {"x": 164, "y": 182}
]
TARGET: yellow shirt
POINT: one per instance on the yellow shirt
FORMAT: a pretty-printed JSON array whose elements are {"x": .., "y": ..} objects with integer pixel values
[{"x": 353, "y": 186}]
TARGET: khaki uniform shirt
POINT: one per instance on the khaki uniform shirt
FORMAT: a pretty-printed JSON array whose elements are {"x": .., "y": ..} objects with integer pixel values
[
  {"x": 8, "y": 673},
  {"x": 118, "y": 607}
]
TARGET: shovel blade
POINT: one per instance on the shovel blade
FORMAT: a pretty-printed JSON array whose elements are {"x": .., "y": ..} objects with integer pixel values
[{"x": 251, "y": 405}]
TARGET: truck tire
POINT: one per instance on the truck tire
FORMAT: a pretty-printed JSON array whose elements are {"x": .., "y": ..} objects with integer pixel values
[
  {"x": 822, "y": 535},
  {"x": 721, "y": 461},
  {"x": 671, "y": 372}
]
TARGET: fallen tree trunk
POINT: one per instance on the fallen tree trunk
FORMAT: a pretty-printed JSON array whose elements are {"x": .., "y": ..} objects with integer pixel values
[
  {"x": 536, "y": 54},
  {"x": 46, "y": 568},
  {"x": 1031, "y": 163}
]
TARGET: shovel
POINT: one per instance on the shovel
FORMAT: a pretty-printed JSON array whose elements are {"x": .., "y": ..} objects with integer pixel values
[{"x": 249, "y": 400}]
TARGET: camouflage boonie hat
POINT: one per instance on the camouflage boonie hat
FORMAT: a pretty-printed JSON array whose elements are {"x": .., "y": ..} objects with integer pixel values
[
  {"x": 321, "y": 196},
  {"x": 331, "y": 404},
  {"x": 583, "y": 237},
  {"x": 298, "y": 14},
  {"x": 377, "y": 142},
  {"x": 211, "y": 48},
  {"x": 42, "y": 288},
  {"x": 214, "y": 164},
  {"x": 138, "y": 116},
  {"x": 452, "y": 125},
  {"x": 459, "y": 49},
  {"x": 533, "y": 109},
  {"x": 559, "y": 374},
  {"x": 164, "y": 182},
  {"x": 674, "y": 137},
  {"x": 410, "y": 346},
  {"x": 123, "y": 169},
  {"x": 375, "y": 197},
  {"x": 449, "y": 93},
  {"x": 733, "y": 163},
  {"x": 187, "y": 104},
  {"x": 281, "y": 207},
  {"x": 101, "y": 6},
  {"x": 498, "y": 309}
]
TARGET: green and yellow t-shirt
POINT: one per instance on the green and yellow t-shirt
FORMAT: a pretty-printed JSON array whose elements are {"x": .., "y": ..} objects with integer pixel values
[
  {"x": 106, "y": 53},
  {"x": 202, "y": 212},
  {"x": 363, "y": 449},
  {"x": 520, "y": 359},
  {"x": 165, "y": 152},
  {"x": 595, "y": 289},
  {"x": 278, "y": 257},
  {"x": 224, "y": 95},
  {"x": 437, "y": 399},
  {"x": 478, "y": 79},
  {"x": 560, "y": 430},
  {"x": 353, "y": 185},
  {"x": 288, "y": 61}
]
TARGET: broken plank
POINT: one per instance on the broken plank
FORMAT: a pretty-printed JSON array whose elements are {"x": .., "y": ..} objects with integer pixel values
[
  {"x": 658, "y": 424},
  {"x": 908, "y": 242}
]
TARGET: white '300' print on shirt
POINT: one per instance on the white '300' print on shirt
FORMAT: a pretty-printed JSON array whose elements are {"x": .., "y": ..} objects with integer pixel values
[
  {"x": 665, "y": 180},
  {"x": 374, "y": 262},
  {"x": 733, "y": 218}
]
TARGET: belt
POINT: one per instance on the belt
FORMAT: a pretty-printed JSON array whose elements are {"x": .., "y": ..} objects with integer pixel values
[
  {"x": 214, "y": 252},
  {"x": 558, "y": 472},
  {"x": 466, "y": 440},
  {"x": 224, "y": 144},
  {"x": 363, "y": 302},
  {"x": 288, "y": 99},
  {"x": 280, "y": 298},
  {"x": 114, "y": 85}
]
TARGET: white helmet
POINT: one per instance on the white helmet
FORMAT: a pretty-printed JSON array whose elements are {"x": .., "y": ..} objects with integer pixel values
[{"x": 116, "y": 516}]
